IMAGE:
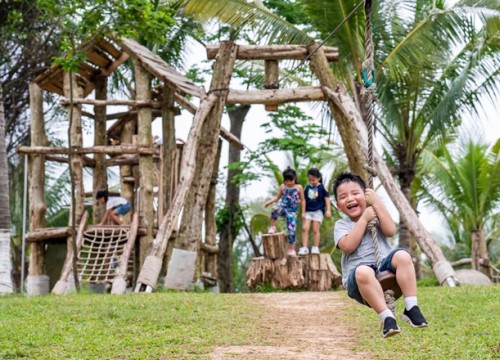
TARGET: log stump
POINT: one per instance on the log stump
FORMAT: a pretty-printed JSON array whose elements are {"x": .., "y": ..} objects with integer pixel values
[
  {"x": 275, "y": 245},
  {"x": 315, "y": 272}
]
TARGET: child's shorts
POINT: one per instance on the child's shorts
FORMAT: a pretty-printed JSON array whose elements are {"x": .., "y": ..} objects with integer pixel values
[
  {"x": 385, "y": 264},
  {"x": 314, "y": 215},
  {"x": 122, "y": 209}
]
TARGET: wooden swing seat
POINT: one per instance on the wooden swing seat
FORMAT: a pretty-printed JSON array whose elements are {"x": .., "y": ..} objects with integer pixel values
[{"x": 387, "y": 280}]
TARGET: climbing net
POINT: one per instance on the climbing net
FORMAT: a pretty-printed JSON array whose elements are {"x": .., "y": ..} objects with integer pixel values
[{"x": 100, "y": 254}]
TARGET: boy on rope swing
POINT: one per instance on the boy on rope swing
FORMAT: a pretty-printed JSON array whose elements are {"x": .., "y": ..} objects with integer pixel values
[
  {"x": 116, "y": 206},
  {"x": 359, "y": 271}
]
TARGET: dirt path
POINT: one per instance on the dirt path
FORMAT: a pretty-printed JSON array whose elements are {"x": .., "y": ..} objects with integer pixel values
[{"x": 305, "y": 325}]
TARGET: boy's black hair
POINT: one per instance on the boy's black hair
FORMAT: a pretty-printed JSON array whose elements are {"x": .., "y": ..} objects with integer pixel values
[
  {"x": 316, "y": 173},
  {"x": 102, "y": 194},
  {"x": 346, "y": 177},
  {"x": 290, "y": 174}
]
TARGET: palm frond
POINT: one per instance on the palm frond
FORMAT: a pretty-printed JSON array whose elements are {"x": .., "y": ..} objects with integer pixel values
[{"x": 242, "y": 14}]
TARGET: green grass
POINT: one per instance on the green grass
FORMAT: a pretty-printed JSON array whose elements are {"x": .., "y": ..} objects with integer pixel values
[
  {"x": 138, "y": 326},
  {"x": 464, "y": 324}
]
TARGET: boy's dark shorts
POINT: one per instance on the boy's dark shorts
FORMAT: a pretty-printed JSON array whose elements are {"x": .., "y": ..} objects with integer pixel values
[{"x": 352, "y": 286}]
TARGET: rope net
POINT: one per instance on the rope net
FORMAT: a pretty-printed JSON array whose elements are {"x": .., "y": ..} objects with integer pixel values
[{"x": 100, "y": 254}]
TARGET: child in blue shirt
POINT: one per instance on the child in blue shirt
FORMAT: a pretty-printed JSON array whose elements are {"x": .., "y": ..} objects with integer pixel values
[{"x": 317, "y": 207}]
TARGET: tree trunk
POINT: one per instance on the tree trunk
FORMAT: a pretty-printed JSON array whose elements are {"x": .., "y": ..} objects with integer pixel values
[
  {"x": 6, "y": 285},
  {"x": 100, "y": 179},
  {"x": 406, "y": 238},
  {"x": 479, "y": 253},
  {"x": 228, "y": 232}
]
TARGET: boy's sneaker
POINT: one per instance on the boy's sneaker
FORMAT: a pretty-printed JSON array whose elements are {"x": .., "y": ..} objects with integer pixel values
[
  {"x": 292, "y": 252},
  {"x": 272, "y": 230},
  {"x": 314, "y": 250},
  {"x": 414, "y": 317},
  {"x": 303, "y": 251},
  {"x": 391, "y": 328}
]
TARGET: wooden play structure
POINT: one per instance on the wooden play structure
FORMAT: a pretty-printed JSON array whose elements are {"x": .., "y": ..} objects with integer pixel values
[
  {"x": 314, "y": 272},
  {"x": 184, "y": 176}
]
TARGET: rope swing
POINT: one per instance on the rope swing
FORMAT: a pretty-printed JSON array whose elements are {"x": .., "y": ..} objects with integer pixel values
[{"x": 386, "y": 278}]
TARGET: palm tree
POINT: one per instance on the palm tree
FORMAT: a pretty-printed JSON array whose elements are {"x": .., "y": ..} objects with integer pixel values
[
  {"x": 6, "y": 285},
  {"x": 464, "y": 185}
]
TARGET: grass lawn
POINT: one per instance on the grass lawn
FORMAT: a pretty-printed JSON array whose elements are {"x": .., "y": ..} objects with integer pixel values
[
  {"x": 464, "y": 324},
  {"x": 139, "y": 326}
]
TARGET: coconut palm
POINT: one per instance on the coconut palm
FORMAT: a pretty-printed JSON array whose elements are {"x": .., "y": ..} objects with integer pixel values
[
  {"x": 6, "y": 285},
  {"x": 464, "y": 185}
]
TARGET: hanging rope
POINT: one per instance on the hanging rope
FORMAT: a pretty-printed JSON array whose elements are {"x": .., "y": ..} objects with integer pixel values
[
  {"x": 368, "y": 92},
  {"x": 288, "y": 73}
]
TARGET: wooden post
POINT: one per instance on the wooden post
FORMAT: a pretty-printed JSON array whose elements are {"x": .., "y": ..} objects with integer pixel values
[
  {"x": 210, "y": 226},
  {"x": 347, "y": 130},
  {"x": 144, "y": 138},
  {"x": 126, "y": 171},
  {"x": 71, "y": 89},
  {"x": 443, "y": 270},
  {"x": 37, "y": 182},
  {"x": 169, "y": 144},
  {"x": 207, "y": 151},
  {"x": 150, "y": 270},
  {"x": 100, "y": 180},
  {"x": 271, "y": 78},
  {"x": 275, "y": 245}
]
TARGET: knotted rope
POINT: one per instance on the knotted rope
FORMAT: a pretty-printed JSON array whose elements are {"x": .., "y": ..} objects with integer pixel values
[{"x": 368, "y": 95}]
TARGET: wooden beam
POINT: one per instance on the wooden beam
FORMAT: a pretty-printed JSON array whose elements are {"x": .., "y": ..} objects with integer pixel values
[
  {"x": 137, "y": 103},
  {"x": 88, "y": 162},
  {"x": 271, "y": 80},
  {"x": 276, "y": 96},
  {"x": 111, "y": 150},
  {"x": 273, "y": 52},
  {"x": 224, "y": 133}
]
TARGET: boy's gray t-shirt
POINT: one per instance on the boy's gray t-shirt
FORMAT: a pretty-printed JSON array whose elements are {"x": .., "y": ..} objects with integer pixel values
[{"x": 364, "y": 253}]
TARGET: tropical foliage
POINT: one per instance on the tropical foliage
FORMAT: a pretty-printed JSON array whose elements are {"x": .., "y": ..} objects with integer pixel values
[{"x": 464, "y": 185}]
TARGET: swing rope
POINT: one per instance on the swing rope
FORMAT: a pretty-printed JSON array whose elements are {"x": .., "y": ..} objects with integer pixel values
[{"x": 369, "y": 83}]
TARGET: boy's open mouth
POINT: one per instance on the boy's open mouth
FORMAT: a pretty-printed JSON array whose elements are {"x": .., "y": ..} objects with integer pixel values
[{"x": 351, "y": 206}]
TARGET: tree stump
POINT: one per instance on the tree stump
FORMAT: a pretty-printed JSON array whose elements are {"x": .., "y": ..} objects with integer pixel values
[
  {"x": 312, "y": 272},
  {"x": 275, "y": 245}
]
